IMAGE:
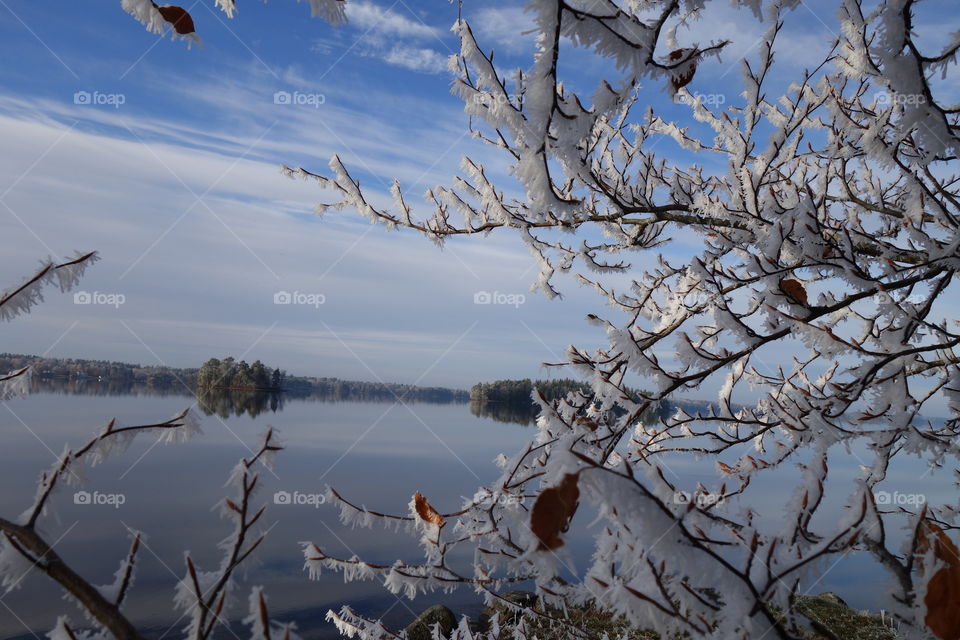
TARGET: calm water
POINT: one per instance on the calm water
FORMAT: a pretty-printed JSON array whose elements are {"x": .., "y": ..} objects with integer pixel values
[{"x": 377, "y": 454}]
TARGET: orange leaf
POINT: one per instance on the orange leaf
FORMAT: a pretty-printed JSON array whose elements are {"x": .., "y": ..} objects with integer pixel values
[
  {"x": 794, "y": 290},
  {"x": 943, "y": 589},
  {"x": 553, "y": 511},
  {"x": 427, "y": 512},
  {"x": 178, "y": 17}
]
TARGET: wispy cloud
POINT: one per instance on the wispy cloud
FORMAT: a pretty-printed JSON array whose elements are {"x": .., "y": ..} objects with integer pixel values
[
  {"x": 398, "y": 37},
  {"x": 373, "y": 18},
  {"x": 416, "y": 59},
  {"x": 507, "y": 28},
  {"x": 200, "y": 291}
]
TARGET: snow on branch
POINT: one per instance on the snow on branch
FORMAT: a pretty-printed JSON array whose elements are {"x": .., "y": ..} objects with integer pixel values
[
  {"x": 810, "y": 297},
  {"x": 204, "y": 596},
  {"x": 113, "y": 439},
  {"x": 65, "y": 275},
  {"x": 22, "y": 547}
]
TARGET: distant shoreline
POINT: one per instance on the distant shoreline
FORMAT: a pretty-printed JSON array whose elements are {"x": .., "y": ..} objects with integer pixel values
[
  {"x": 252, "y": 389},
  {"x": 506, "y": 400},
  {"x": 122, "y": 375}
]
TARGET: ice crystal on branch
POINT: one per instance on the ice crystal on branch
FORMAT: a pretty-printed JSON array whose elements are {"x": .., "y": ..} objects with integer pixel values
[
  {"x": 21, "y": 298},
  {"x": 815, "y": 305}
]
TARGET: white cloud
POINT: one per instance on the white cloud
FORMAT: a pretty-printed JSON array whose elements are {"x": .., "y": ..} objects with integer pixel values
[
  {"x": 373, "y": 18},
  {"x": 506, "y": 27},
  {"x": 397, "y": 38},
  {"x": 416, "y": 59},
  {"x": 206, "y": 282}
]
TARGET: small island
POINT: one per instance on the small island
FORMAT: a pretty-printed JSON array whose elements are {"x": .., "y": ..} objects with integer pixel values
[
  {"x": 239, "y": 376},
  {"x": 512, "y": 401}
]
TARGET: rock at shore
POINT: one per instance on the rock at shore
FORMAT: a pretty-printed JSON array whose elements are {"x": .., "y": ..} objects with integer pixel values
[
  {"x": 832, "y": 619},
  {"x": 521, "y": 598},
  {"x": 422, "y": 627}
]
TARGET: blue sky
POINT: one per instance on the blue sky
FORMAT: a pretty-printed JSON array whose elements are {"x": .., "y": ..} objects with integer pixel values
[{"x": 179, "y": 186}]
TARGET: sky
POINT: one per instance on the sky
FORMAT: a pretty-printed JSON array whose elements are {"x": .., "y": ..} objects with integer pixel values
[{"x": 165, "y": 159}]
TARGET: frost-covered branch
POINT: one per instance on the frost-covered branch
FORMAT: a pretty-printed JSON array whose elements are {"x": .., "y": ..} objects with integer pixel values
[
  {"x": 815, "y": 307},
  {"x": 204, "y": 595},
  {"x": 19, "y": 299},
  {"x": 23, "y": 547},
  {"x": 65, "y": 275}
]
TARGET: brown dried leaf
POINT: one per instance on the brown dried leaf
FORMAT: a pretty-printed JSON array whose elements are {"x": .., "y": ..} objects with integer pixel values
[
  {"x": 553, "y": 511},
  {"x": 177, "y": 16},
  {"x": 943, "y": 589},
  {"x": 426, "y": 512},
  {"x": 681, "y": 79},
  {"x": 589, "y": 423},
  {"x": 794, "y": 290}
]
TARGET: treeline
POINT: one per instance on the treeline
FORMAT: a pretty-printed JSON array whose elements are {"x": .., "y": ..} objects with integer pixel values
[
  {"x": 511, "y": 400},
  {"x": 336, "y": 389},
  {"x": 230, "y": 374},
  {"x": 517, "y": 392},
  {"x": 77, "y": 375},
  {"x": 119, "y": 373}
]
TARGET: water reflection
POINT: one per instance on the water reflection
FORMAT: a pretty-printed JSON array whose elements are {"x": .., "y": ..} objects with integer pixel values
[
  {"x": 237, "y": 402},
  {"x": 157, "y": 386},
  {"x": 504, "y": 412},
  {"x": 376, "y": 453},
  {"x": 233, "y": 402},
  {"x": 526, "y": 414}
]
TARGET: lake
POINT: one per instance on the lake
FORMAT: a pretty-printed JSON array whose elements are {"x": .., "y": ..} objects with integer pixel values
[{"x": 374, "y": 453}]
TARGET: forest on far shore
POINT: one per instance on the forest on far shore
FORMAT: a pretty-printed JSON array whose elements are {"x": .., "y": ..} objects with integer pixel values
[{"x": 77, "y": 375}]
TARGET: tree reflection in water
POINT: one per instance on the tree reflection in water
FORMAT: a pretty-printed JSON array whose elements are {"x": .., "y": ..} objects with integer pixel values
[{"x": 235, "y": 402}]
